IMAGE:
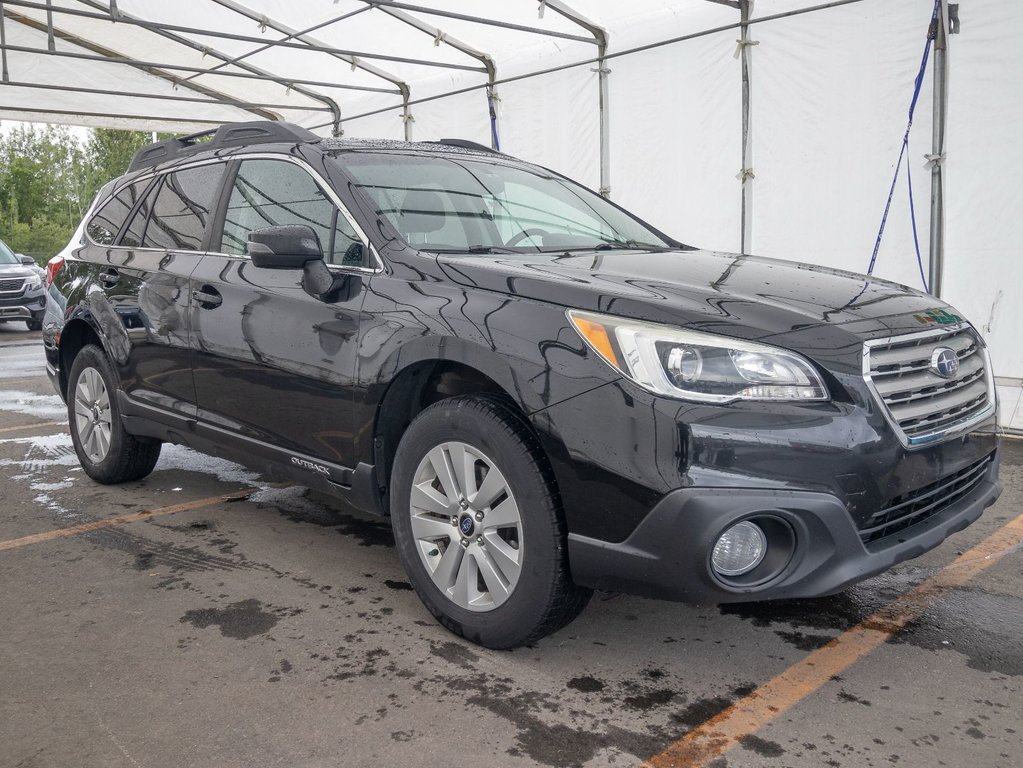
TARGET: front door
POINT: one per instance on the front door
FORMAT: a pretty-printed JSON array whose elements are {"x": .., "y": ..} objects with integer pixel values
[{"x": 274, "y": 367}]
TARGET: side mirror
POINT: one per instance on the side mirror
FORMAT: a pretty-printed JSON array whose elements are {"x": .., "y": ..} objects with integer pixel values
[
  {"x": 28, "y": 261},
  {"x": 289, "y": 246}
]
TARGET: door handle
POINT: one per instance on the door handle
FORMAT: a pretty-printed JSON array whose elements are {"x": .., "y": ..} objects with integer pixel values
[
  {"x": 207, "y": 297},
  {"x": 109, "y": 278}
]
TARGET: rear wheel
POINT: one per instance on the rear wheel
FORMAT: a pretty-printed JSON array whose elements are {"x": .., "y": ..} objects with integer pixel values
[
  {"x": 478, "y": 524},
  {"x": 107, "y": 453}
]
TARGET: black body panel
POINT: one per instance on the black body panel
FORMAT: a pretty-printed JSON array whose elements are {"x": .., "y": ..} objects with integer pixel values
[{"x": 223, "y": 356}]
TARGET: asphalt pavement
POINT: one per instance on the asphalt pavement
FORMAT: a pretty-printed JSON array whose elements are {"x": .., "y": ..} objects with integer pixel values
[{"x": 206, "y": 617}]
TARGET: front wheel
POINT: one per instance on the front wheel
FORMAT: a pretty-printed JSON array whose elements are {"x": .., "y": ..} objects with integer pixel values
[
  {"x": 107, "y": 453},
  {"x": 478, "y": 524},
  {"x": 34, "y": 325}
]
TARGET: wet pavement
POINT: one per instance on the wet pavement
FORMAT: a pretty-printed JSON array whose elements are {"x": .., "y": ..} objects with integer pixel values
[{"x": 280, "y": 630}]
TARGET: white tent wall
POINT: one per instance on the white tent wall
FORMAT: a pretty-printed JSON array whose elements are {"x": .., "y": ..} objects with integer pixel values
[
  {"x": 984, "y": 262},
  {"x": 828, "y": 114},
  {"x": 676, "y": 131},
  {"x": 829, "y": 98}
]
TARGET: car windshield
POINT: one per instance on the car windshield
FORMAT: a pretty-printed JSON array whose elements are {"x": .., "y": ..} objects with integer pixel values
[
  {"x": 7, "y": 255},
  {"x": 470, "y": 204}
]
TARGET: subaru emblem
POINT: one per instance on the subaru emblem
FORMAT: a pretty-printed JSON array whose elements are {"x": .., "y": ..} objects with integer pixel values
[{"x": 944, "y": 362}]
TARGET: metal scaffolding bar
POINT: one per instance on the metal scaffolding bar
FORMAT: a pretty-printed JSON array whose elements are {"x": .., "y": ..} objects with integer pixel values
[
  {"x": 3, "y": 42},
  {"x": 609, "y": 56},
  {"x": 936, "y": 247},
  {"x": 165, "y": 29},
  {"x": 746, "y": 172},
  {"x": 601, "y": 38},
  {"x": 248, "y": 105},
  {"x": 478, "y": 20},
  {"x": 80, "y": 113},
  {"x": 267, "y": 46},
  {"x": 442, "y": 37},
  {"x": 99, "y": 53},
  {"x": 146, "y": 64},
  {"x": 353, "y": 61},
  {"x": 207, "y": 50}
]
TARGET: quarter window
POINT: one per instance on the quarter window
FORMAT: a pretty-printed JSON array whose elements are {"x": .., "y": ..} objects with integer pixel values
[
  {"x": 182, "y": 208},
  {"x": 133, "y": 235},
  {"x": 104, "y": 226},
  {"x": 270, "y": 193}
]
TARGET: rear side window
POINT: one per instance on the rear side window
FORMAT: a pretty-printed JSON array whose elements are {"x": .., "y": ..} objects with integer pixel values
[
  {"x": 132, "y": 237},
  {"x": 182, "y": 208},
  {"x": 104, "y": 226}
]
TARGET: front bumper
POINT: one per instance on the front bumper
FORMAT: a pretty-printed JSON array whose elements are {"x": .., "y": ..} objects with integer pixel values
[
  {"x": 25, "y": 307},
  {"x": 668, "y": 554}
]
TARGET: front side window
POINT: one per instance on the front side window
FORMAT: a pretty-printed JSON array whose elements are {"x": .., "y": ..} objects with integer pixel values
[
  {"x": 463, "y": 204},
  {"x": 104, "y": 226},
  {"x": 270, "y": 193},
  {"x": 182, "y": 208}
]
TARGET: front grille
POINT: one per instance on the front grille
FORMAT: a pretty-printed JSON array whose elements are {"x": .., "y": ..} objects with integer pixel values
[
  {"x": 12, "y": 285},
  {"x": 919, "y": 505},
  {"x": 923, "y": 405}
]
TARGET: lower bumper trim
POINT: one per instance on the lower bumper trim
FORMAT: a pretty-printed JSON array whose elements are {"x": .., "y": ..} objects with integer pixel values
[{"x": 667, "y": 556}]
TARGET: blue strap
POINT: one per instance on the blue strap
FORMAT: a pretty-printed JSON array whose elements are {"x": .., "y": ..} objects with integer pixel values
[
  {"x": 918, "y": 84},
  {"x": 495, "y": 140}
]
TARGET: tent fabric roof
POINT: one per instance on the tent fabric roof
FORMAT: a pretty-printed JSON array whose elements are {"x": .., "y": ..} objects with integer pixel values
[{"x": 192, "y": 64}]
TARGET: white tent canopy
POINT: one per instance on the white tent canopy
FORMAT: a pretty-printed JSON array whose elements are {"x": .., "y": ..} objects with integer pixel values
[{"x": 784, "y": 145}]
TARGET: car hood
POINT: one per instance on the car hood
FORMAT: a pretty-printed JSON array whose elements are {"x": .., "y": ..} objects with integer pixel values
[
  {"x": 742, "y": 296},
  {"x": 825, "y": 314},
  {"x": 16, "y": 270}
]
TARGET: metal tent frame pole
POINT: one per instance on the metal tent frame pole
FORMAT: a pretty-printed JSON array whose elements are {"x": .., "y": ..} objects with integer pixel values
[
  {"x": 122, "y": 17},
  {"x": 354, "y": 61},
  {"x": 100, "y": 53},
  {"x": 600, "y": 37},
  {"x": 163, "y": 28},
  {"x": 936, "y": 247},
  {"x": 267, "y": 46},
  {"x": 746, "y": 173},
  {"x": 442, "y": 37}
]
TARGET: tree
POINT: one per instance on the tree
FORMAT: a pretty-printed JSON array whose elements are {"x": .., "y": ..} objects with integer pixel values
[{"x": 48, "y": 179}]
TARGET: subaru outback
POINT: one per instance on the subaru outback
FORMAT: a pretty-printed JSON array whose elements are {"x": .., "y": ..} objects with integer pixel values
[{"x": 546, "y": 395}]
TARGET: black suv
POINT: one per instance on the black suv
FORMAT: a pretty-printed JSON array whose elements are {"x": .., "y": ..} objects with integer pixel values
[{"x": 544, "y": 393}]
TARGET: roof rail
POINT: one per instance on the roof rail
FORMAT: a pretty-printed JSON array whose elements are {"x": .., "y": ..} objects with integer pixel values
[
  {"x": 228, "y": 135},
  {"x": 466, "y": 144}
]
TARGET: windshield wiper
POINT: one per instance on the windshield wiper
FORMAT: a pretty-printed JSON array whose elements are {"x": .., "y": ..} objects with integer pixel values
[
  {"x": 609, "y": 245},
  {"x": 473, "y": 249}
]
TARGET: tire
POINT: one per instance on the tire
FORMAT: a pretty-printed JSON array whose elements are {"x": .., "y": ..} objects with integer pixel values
[
  {"x": 34, "y": 325},
  {"x": 107, "y": 453},
  {"x": 503, "y": 579}
]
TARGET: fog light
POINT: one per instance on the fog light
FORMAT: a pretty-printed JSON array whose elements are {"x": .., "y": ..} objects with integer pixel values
[{"x": 739, "y": 550}]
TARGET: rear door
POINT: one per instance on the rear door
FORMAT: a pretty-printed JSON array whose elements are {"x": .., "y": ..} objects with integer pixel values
[
  {"x": 143, "y": 298},
  {"x": 274, "y": 367}
]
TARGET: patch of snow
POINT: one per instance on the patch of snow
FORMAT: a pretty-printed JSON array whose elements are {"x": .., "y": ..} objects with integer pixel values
[
  {"x": 30, "y": 404},
  {"x": 185, "y": 459},
  {"x": 65, "y": 483}
]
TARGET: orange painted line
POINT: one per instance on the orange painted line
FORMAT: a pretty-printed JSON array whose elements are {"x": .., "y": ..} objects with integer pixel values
[
  {"x": 751, "y": 713},
  {"x": 132, "y": 517},
  {"x": 39, "y": 425}
]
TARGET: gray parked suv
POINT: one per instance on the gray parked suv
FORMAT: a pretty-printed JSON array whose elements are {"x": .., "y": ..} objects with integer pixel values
[{"x": 22, "y": 296}]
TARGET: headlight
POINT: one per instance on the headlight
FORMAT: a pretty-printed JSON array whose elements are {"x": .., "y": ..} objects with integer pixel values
[
  {"x": 33, "y": 283},
  {"x": 697, "y": 366}
]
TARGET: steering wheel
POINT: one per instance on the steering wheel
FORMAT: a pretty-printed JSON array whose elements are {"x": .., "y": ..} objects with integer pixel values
[{"x": 534, "y": 232}]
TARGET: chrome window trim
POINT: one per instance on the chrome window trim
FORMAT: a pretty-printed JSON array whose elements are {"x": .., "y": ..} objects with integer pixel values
[
  {"x": 955, "y": 429},
  {"x": 320, "y": 181}
]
